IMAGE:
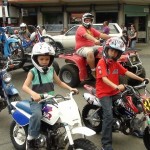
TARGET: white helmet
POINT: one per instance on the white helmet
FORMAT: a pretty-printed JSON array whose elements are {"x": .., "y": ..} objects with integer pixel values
[
  {"x": 87, "y": 16},
  {"x": 114, "y": 43},
  {"x": 39, "y": 49},
  {"x": 23, "y": 25}
]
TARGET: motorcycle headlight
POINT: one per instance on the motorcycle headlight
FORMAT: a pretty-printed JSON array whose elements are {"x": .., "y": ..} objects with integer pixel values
[{"x": 7, "y": 77}]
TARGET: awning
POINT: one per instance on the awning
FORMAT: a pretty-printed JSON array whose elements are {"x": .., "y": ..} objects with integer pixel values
[
  {"x": 6, "y": 12},
  {"x": 137, "y": 14}
]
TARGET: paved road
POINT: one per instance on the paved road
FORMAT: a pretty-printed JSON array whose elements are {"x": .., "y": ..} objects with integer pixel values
[{"x": 120, "y": 141}]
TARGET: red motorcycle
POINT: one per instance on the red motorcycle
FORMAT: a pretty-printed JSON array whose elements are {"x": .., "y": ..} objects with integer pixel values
[
  {"x": 134, "y": 100},
  {"x": 77, "y": 70}
]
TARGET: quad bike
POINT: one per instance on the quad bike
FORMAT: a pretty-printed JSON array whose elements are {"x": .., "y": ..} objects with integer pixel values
[{"x": 77, "y": 70}]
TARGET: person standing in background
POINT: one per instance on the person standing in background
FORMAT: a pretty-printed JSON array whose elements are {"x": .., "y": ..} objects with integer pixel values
[
  {"x": 106, "y": 28},
  {"x": 43, "y": 30},
  {"x": 132, "y": 36}
]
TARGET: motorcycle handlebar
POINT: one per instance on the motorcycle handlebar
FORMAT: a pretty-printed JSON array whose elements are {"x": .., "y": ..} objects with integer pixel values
[{"x": 45, "y": 97}]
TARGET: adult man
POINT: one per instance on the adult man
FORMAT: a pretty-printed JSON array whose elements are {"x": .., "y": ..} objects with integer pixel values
[{"x": 87, "y": 40}]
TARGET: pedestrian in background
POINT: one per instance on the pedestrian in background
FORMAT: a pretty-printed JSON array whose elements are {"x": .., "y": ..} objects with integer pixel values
[
  {"x": 125, "y": 38},
  {"x": 132, "y": 36},
  {"x": 106, "y": 28}
]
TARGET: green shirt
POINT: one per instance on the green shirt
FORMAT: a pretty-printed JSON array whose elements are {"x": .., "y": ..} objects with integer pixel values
[{"x": 47, "y": 85}]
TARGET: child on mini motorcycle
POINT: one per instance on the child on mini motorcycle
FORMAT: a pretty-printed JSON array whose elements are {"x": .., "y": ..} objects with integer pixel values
[
  {"x": 107, "y": 85},
  {"x": 41, "y": 77}
]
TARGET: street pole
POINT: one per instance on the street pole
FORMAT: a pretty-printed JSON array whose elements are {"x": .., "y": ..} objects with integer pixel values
[{"x": 4, "y": 3}]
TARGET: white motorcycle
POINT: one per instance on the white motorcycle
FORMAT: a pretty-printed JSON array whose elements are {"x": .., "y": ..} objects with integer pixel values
[{"x": 61, "y": 120}]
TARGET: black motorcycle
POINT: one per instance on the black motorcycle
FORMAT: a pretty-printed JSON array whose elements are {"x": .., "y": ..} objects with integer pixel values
[{"x": 125, "y": 109}]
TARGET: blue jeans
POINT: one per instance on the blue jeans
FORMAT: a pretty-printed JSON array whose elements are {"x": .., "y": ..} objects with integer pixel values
[
  {"x": 35, "y": 120},
  {"x": 106, "y": 139},
  {"x": 133, "y": 43}
]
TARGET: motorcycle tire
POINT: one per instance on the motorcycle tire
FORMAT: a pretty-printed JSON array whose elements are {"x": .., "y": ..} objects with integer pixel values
[
  {"x": 18, "y": 135},
  {"x": 95, "y": 122},
  {"x": 146, "y": 138},
  {"x": 83, "y": 144},
  {"x": 17, "y": 54}
]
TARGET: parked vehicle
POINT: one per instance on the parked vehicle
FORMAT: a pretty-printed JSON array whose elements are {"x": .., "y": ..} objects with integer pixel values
[
  {"x": 77, "y": 70},
  {"x": 67, "y": 40},
  {"x": 58, "y": 127},
  {"x": 125, "y": 110},
  {"x": 10, "y": 48},
  {"x": 8, "y": 93}
]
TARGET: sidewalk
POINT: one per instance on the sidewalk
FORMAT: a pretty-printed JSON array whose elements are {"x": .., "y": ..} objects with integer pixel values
[{"x": 143, "y": 48}]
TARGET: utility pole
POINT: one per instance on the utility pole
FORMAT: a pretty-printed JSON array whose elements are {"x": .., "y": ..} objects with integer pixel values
[{"x": 4, "y": 3}]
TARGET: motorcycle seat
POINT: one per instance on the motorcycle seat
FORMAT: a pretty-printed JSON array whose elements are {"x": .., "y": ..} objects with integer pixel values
[{"x": 24, "y": 105}]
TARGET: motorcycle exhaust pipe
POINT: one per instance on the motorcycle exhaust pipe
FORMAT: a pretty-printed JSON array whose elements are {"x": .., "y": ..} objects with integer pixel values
[{"x": 91, "y": 99}]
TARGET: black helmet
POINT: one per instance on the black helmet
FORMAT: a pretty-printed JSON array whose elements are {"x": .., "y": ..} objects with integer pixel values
[{"x": 87, "y": 16}]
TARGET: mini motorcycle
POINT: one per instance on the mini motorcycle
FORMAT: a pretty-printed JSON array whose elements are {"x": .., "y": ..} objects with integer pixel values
[
  {"x": 10, "y": 48},
  {"x": 61, "y": 120},
  {"x": 8, "y": 93},
  {"x": 125, "y": 110},
  {"x": 77, "y": 70}
]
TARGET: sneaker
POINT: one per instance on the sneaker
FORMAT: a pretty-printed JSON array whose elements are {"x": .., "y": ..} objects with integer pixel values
[
  {"x": 31, "y": 145},
  {"x": 137, "y": 133}
]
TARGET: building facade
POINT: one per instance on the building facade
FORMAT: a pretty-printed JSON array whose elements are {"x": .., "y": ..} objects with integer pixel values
[{"x": 59, "y": 14}]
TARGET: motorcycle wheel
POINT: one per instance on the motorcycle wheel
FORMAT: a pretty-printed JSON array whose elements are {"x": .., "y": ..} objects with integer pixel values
[
  {"x": 18, "y": 135},
  {"x": 83, "y": 144},
  {"x": 17, "y": 54},
  {"x": 91, "y": 118},
  {"x": 146, "y": 138},
  {"x": 70, "y": 75}
]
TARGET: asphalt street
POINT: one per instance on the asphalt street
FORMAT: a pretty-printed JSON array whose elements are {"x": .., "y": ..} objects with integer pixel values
[{"x": 120, "y": 141}]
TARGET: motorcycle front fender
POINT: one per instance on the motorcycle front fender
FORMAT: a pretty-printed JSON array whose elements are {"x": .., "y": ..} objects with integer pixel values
[
  {"x": 10, "y": 90},
  {"x": 83, "y": 130}
]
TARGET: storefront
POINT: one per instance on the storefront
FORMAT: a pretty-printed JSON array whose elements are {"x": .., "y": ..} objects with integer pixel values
[{"x": 137, "y": 15}]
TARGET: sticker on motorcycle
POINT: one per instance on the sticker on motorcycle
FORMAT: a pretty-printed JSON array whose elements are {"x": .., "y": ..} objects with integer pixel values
[{"x": 147, "y": 105}]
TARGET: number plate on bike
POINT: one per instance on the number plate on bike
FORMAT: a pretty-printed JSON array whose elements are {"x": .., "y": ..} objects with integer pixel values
[{"x": 146, "y": 104}]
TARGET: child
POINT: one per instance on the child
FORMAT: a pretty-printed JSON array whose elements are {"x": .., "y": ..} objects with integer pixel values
[
  {"x": 41, "y": 77},
  {"x": 107, "y": 85}
]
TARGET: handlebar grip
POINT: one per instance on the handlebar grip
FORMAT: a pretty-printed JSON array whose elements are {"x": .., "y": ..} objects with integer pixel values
[{"x": 146, "y": 81}]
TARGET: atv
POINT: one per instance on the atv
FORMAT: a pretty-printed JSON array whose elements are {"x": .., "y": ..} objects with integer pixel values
[{"x": 77, "y": 70}]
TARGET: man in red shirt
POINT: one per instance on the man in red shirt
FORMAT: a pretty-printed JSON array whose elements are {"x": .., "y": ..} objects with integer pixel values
[
  {"x": 87, "y": 40},
  {"x": 107, "y": 85}
]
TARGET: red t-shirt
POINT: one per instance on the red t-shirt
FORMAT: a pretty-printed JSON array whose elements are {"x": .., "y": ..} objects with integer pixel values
[
  {"x": 112, "y": 73},
  {"x": 81, "y": 41}
]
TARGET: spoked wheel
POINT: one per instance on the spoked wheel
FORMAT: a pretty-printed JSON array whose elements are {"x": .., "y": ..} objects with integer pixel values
[
  {"x": 18, "y": 135},
  {"x": 17, "y": 54},
  {"x": 146, "y": 138},
  {"x": 83, "y": 144},
  {"x": 92, "y": 117}
]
